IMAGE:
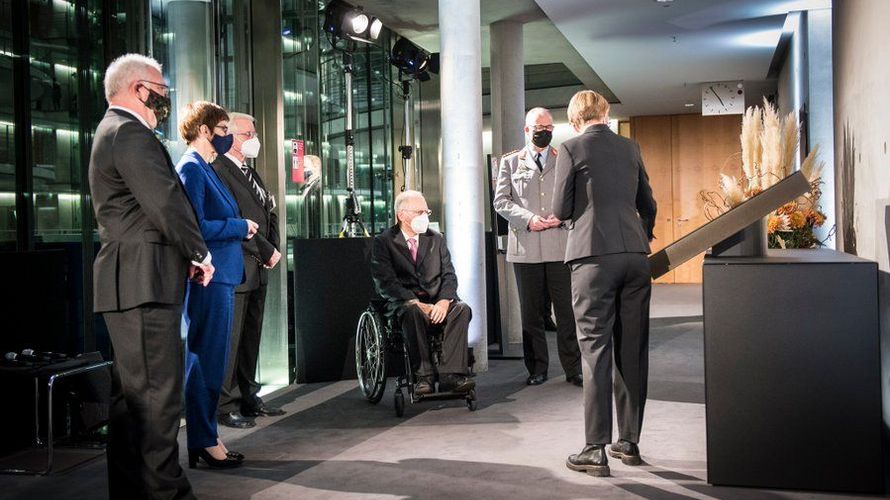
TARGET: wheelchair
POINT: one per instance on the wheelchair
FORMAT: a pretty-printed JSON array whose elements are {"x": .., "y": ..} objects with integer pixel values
[{"x": 378, "y": 343}]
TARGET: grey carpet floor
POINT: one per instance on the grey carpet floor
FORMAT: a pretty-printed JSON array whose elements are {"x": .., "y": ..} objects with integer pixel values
[{"x": 333, "y": 444}]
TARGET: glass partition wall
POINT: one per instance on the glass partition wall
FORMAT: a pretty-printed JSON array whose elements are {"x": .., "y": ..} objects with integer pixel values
[
  {"x": 51, "y": 71},
  {"x": 315, "y": 113}
]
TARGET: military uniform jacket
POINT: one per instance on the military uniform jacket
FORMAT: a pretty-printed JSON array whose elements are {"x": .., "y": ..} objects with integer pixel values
[{"x": 522, "y": 192}]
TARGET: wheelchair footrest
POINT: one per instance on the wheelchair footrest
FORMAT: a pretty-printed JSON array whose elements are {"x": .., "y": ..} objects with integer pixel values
[{"x": 441, "y": 396}]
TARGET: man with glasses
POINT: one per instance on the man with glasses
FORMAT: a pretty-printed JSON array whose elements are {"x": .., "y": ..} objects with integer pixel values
[
  {"x": 412, "y": 270},
  {"x": 239, "y": 402},
  {"x": 151, "y": 244},
  {"x": 536, "y": 245}
]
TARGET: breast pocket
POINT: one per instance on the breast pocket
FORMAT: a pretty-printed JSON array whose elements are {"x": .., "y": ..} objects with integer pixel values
[{"x": 520, "y": 181}]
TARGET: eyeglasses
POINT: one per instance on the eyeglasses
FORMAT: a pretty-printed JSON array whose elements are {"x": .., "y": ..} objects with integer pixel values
[
  {"x": 249, "y": 135},
  {"x": 541, "y": 128},
  {"x": 225, "y": 129},
  {"x": 163, "y": 86},
  {"x": 418, "y": 212}
]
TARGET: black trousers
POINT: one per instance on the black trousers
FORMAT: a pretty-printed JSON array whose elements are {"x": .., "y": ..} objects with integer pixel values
[
  {"x": 536, "y": 282},
  {"x": 240, "y": 388},
  {"x": 146, "y": 402},
  {"x": 415, "y": 326},
  {"x": 611, "y": 298}
]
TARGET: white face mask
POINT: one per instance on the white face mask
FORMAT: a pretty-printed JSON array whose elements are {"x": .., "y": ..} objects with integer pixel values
[
  {"x": 420, "y": 223},
  {"x": 251, "y": 148}
]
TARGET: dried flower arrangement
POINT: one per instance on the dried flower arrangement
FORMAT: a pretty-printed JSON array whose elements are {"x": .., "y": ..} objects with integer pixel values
[{"x": 769, "y": 146}]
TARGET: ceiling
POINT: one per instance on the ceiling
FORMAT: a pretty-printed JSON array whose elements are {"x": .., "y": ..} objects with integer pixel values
[
  {"x": 646, "y": 58},
  {"x": 543, "y": 43},
  {"x": 655, "y": 58}
]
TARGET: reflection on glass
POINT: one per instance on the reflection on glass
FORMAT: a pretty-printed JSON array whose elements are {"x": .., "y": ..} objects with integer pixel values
[
  {"x": 7, "y": 133},
  {"x": 66, "y": 96},
  {"x": 312, "y": 67}
]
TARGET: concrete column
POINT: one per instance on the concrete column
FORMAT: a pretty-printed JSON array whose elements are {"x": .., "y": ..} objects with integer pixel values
[
  {"x": 192, "y": 59},
  {"x": 507, "y": 87},
  {"x": 462, "y": 162},
  {"x": 507, "y": 121},
  {"x": 268, "y": 109}
]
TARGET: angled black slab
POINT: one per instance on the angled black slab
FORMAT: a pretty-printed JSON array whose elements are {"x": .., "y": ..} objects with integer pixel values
[{"x": 728, "y": 224}]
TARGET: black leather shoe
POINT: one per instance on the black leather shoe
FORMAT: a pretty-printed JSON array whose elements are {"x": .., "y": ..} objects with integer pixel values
[
  {"x": 591, "y": 460},
  {"x": 235, "y": 420},
  {"x": 234, "y": 455},
  {"x": 576, "y": 379},
  {"x": 628, "y": 452},
  {"x": 536, "y": 379},
  {"x": 261, "y": 410},
  {"x": 423, "y": 386},
  {"x": 201, "y": 453},
  {"x": 459, "y": 383}
]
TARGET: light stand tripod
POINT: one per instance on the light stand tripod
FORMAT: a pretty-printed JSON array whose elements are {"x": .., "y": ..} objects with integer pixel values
[
  {"x": 406, "y": 148},
  {"x": 352, "y": 220}
]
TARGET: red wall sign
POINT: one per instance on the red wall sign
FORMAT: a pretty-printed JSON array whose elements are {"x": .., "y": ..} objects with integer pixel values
[{"x": 297, "y": 151}]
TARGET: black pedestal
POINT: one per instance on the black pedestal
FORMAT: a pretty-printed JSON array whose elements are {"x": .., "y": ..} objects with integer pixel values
[
  {"x": 332, "y": 286},
  {"x": 792, "y": 371}
]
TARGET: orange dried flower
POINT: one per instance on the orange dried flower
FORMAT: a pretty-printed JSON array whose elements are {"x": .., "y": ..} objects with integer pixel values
[
  {"x": 787, "y": 209},
  {"x": 797, "y": 220},
  {"x": 772, "y": 225}
]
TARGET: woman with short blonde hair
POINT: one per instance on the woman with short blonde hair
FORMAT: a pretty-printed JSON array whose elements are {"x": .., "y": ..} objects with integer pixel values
[
  {"x": 209, "y": 309},
  {"x": 587, "y": 106}
]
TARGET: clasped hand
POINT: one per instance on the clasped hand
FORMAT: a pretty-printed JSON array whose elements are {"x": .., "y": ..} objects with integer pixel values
[
  {"x": 435, "y": 312},
  {"x": 539, "y": 224},
  {"x": 252, "y": 228},
  {"x": 201, "y": 274}
]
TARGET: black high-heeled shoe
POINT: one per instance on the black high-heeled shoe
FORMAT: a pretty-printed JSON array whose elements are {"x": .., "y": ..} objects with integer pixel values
[
  {"x": 195, "y": 454},
  {"x": 234, "y": 455}
]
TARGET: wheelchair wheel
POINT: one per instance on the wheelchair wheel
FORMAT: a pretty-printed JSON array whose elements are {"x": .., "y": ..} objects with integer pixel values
[
  {"x": 399, "y": 401},
  {"x": 471, "y": 400},
  {"x": 370, "y": 357}
]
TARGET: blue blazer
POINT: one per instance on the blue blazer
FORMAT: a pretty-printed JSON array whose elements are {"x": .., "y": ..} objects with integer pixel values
[{"x": 218, "y": 216}]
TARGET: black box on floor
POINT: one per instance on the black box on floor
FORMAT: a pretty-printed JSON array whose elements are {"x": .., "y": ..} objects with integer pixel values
[{"x": 792, "y": 371}]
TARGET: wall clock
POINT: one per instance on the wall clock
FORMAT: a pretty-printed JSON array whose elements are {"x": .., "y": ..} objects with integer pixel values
[{"x": 722, "y": 98}]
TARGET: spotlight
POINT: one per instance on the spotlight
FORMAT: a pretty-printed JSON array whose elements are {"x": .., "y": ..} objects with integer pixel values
[
  {"x": 376, "y": 26},
  {"x": 342, "y": 20},
  {"x": 413, "y": 60}
]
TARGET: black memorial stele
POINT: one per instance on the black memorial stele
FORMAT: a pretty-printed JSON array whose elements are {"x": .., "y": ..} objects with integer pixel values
[{"x": 792, "y": 355}]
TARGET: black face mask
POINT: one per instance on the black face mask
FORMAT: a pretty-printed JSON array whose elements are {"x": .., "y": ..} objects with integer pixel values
[
  {"x": 159, "y": 104},
  {"x": 542, "y": 138}
]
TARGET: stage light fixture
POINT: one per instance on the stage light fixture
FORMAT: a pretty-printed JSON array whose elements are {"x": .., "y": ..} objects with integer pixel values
[
  {"x": 342, "y": 20},
  {"x": 413, "y": 60}
]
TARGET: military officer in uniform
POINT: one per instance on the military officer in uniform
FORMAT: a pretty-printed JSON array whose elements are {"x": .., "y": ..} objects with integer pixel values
[{"x": 536, "y": 246}]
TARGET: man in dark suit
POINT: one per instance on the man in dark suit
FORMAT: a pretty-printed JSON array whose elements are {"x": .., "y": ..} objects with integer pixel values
[
  {"x": 602, "y": 187},
  {"x": 151, "y": 245},
  {"x": 412, "y": 270},
  {"x": 239, "y": 401}
]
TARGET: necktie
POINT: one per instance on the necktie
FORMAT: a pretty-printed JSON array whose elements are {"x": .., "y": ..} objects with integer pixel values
[
  {"x": 260, "y": 192},
  {"x": 538, "y": 162},
  {"x": 412, "y": 247}
]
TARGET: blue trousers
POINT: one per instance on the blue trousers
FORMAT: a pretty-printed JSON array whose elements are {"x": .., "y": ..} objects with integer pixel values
[{"x": 209, "y": 311}]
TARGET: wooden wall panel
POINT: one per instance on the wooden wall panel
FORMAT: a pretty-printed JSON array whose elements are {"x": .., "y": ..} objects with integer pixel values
[
  {"x": 653, "y": 134},
  {"x": 701, "y": 148}
]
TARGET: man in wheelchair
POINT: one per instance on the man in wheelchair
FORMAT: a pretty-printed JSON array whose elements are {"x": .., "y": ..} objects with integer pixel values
[{"x": 412, "y": 270}]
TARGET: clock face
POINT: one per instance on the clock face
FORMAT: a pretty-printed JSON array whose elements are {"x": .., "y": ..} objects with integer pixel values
[{"x": 722, "y": 98}]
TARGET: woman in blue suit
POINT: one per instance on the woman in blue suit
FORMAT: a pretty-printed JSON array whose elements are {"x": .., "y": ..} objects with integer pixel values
[{"x": 209, "y": 309}]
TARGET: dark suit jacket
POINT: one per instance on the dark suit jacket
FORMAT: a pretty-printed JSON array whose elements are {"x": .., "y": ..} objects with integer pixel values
[
  {"x": 398, "y": 279},
  {"x": 218, "y": 217},
  {"x": 259, "y": 249},
  {"x": 146, "y": 225},
  {"x": 602, "y": 186}
]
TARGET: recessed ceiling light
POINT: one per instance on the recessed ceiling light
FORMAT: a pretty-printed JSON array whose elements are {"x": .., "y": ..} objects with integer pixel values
[
  {"x": 689, "y": 105},
  {"x": 664, "y": 3}
]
